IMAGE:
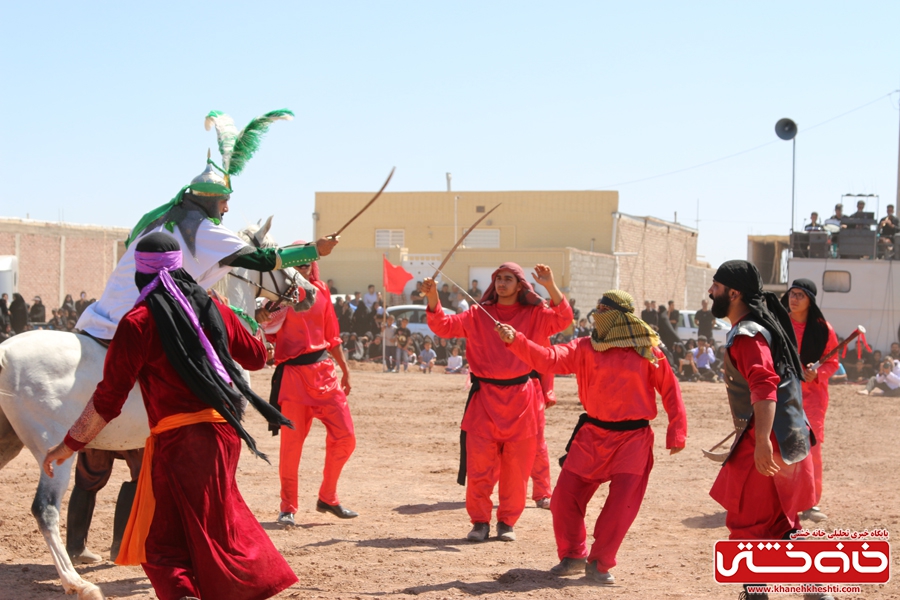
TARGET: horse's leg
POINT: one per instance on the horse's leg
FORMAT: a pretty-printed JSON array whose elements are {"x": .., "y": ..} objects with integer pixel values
[
  {"x": 10, "y": 444},
  {"x": 45, "y": 509}
]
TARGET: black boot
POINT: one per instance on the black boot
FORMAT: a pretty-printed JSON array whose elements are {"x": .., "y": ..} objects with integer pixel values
[
  {"x": 123, "y": 511},
  {"x": 78, "y": 522}
]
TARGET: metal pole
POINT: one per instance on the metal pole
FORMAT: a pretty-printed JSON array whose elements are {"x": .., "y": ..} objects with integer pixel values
[{"x": 793, "y": 182}]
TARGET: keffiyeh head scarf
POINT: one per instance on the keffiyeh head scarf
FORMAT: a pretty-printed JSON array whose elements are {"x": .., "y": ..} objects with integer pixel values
[
  {"x": 527, "y": 295},
  {"x": 620, "y": 328},
  {"x": 193, "y": 334}
]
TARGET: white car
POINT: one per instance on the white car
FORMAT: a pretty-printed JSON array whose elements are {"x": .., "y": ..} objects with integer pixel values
[
  {"x": 418, "y": 320},
  {"x": 687, "y": 328}
]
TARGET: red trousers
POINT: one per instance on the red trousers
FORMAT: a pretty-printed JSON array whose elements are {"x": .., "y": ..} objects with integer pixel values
[
  {"x": 541, "y": 486},
  {"x": 489, "y": 462},
  {"x": 340, "y": 441},
  {"x": 568, "y": 506}
]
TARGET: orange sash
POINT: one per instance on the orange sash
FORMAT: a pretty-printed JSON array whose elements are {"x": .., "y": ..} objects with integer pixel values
[{"x": 132, "y": 550}]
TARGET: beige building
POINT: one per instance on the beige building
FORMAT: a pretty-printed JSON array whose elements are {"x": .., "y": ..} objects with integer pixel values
[{"x": 581, "y": 235}]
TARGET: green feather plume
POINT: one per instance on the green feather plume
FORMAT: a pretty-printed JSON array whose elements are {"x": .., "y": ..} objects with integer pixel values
[
  {"x": 248, "y": 140},
  {"x": 226, "y": 132}
]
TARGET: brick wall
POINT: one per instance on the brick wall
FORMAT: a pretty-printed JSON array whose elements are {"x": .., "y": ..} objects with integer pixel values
[
  {"x": 56, "y": 259},
  {"x": 660, "y": 270}
]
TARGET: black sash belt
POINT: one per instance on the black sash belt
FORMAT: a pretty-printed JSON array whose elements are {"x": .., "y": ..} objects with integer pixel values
[
  {"x": 610, "y": 425},
  {"x": 304, "y": 359},
  {"x": 476, "y": 385}
]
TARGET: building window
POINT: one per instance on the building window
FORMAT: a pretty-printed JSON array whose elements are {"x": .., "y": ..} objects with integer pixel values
[
  {"x": 483, "y": 238},
  {"x": 389, "y": 238},
  {"x": 479, "y": 209},
  {"x": 836, "y": 281}
]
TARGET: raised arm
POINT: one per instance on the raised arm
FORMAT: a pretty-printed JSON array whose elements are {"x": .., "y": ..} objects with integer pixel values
[
  {"x": 441, "y": 324},
  {"x": 553, "y": 359}
]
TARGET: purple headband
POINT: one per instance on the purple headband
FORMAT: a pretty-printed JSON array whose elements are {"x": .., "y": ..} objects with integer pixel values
[
  {"x": 154, "y": 262},
  {"x": 161, "y": 263}
]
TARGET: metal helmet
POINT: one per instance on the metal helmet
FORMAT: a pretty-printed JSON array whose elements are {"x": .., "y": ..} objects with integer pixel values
[{"x": 210, "y": 182}]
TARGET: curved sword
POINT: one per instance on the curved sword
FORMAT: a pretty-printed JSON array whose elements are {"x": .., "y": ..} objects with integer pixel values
[
  {"x": 460, "y": 240},
  {"x": 364, "y": 208}
]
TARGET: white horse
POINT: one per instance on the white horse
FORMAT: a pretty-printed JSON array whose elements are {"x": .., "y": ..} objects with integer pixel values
[{"x": 46, "y": 380}]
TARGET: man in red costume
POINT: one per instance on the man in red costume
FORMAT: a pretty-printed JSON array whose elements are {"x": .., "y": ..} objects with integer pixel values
[
  {"x": 190, "y": 529},
  {"x": 767, "y": 478},
  {"x": 619, "y": 370},
  {"x": 305, "y": 387},
  {"x": 815, "y": 338},
  {"x": 501, "y": 421}
]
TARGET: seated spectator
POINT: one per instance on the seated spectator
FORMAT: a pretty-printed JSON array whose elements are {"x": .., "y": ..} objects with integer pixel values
[
  {"x": 442, "y": 352},
  {"x": 840, "y": 376},
  {"x": 353, "y": 349},
  {"x": 702, "y": 359},
  {"x": 864, "y": 366},
  {"x": 679, "y": 360},
  {"x": 887, "y": 379},
  {"x": 427, "y": 357},
  {"x": 455, "y": 364},
  {"x": 719, "y": 365},
  {"x": 376, "y": 350},
  {"x": 54, "y": 321},
  {"x": 70, "y": 326}
]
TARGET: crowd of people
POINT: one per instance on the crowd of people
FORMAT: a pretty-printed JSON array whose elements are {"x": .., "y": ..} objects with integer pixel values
[
  {"x": 17, "y": 316},
  {"x": 886, "y": 227}
]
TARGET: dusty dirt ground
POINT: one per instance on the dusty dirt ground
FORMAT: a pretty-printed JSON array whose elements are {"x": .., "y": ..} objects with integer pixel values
[{"x": 409, "y": 539}]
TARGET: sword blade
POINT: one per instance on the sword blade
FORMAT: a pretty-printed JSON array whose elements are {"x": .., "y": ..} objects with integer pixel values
[
  {"x": 368, "y": 204},
  {"x": 467, "y": 295},
  {"x": 460, "y": 241}
]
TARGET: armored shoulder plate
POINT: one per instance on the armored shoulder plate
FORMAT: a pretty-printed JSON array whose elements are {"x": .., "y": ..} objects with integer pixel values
[{"x": 748, "y": 328}]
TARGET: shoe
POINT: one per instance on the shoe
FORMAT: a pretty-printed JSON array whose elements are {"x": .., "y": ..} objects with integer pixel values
[
  {"x": 597, "y": 577},
  {"x": 85, "y": 557},
  {"x": 479, "y": 533},
  {"x": 543, "y": 503},
  {"x": 862, "y": 392},
  {"x": 505, "y": 532},
  {"x": 285, "y": 519},
  {"x": 814, "y": 514},
  {"x": 336, "y": 509},
  {"x": 569, "y": 566},
  {"x": 818, "y": 597}
]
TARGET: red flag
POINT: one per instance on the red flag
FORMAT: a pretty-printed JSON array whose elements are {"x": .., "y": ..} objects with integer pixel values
[{"x": 395, "y": 278}]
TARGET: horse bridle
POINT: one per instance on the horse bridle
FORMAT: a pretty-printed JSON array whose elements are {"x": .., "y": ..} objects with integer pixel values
[{"x": 259, "y": 284}]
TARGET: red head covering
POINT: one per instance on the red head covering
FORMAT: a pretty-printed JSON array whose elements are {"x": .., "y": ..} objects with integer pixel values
[
  {"x": 314, "y": 268},
  {"x": 527, "y": 295}
]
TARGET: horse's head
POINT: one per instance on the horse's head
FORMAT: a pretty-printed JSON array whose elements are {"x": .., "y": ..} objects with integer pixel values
[{"x": 275, "y": 285}]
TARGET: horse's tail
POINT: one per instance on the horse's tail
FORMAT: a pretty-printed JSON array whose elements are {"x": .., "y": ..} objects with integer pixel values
[{"x": 10, "y": 444}]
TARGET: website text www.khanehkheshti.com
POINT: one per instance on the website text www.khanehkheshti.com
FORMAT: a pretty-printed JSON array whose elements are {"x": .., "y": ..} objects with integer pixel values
[{"x": 804, "y": 588}]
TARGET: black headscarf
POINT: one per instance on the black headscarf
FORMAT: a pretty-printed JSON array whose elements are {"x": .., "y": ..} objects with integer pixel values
[
  {"x": 815, "y": 336},
  {"x": 184, "y": 349},
  {"x": 766, "y": 310}
]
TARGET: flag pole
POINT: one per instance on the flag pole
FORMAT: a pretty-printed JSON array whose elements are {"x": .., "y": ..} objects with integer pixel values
[{"x": 384, "y": 316}]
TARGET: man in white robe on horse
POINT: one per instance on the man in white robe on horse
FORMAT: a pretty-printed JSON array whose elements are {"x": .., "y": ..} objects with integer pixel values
[{"x": 194, "y": 217}]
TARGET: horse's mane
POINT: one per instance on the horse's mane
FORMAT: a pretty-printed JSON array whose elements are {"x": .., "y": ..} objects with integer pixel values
[{"x": 249, "y": 231}]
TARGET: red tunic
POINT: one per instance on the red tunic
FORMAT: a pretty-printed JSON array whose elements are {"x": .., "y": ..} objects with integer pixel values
[
  {"x": 203, "y": 540},
  {"x": 746, "y": 497},
  {"x": 615, "y": 385},
  {"x": 815, "y": 393},
  {"x": 301, "y": 333},
  {"x": 501, "y": 413}
]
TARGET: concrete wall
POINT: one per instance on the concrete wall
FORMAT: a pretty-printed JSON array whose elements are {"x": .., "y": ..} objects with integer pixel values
[
  {"x": 56, "y": 259},
  {"x": 590, "y": 275}
]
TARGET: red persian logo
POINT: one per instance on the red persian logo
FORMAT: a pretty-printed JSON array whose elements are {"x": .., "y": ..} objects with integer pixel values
[{"x": 803, "y": 561}]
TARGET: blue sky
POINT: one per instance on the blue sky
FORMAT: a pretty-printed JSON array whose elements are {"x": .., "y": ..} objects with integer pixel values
[{"x": 103, "y": 105}]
